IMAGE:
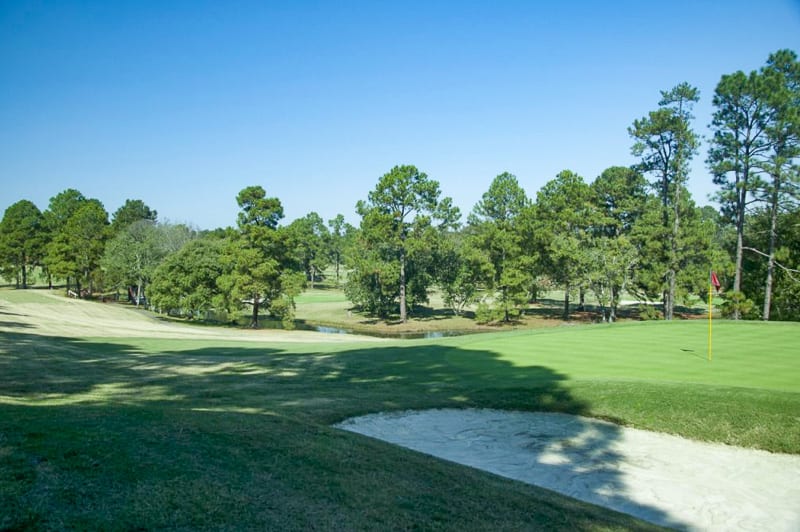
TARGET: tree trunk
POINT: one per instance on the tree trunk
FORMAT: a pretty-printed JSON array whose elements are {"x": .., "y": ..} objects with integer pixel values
[
  {"x": 669, "y": 298},
  {"x": 138, "y": 293},
  {"x": 612, "y": 311},
  {"x": 737, "y": 277},
  {"x": 254, "y": 318},
  {"x": 403, "y": 286},
  {"x": 669, "y": 304},
  {"x": 566, "y": 303},
  {"x": 773, "y": 238},
  {"x": 313, "y": 275},
  {"x": 24, "y": 275}
]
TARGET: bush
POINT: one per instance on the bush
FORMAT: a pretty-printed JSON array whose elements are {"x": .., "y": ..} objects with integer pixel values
[
  {"x": 737, "y": 301},
  {"x": 485, "y": 313},
  {"x": 649, "y": 313}
]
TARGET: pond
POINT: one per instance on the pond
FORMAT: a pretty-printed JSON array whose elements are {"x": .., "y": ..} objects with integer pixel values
[{"x": 397, "y": 335}]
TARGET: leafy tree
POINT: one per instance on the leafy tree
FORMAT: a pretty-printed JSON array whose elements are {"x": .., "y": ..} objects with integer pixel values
[
  {"x": 496, "y": 228},
  {"x": 619, "y": 195},
  {"x": 258, "y": 260},
  {"x": 373, "y": 276},
  {"x": 133, "y": 254},
  {"x": 463, "y": 269},
  {"x": 612, "y": 260},
  {"x": 397, "y": 226},
  {"x": 564, "y": 215},
  {"x": 76, "y": 251},
  {"x": 60, "y": 209},
  {"x": 666, "y": 144},
  {"x": 132, "y": 211},
  {"x": 186, "y": 280},
  {"x": 22, "y": 239},
  {"x": 311, "y": 238}
]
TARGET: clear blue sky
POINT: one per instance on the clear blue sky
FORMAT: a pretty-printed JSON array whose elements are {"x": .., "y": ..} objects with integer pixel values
[{"x": 183, "y": 104}]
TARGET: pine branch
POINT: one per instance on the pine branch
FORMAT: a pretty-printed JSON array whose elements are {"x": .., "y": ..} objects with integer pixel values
[{"x": 788, "y": 270}]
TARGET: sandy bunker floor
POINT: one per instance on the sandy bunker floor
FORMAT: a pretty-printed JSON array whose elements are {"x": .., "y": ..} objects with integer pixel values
[{"x": 668, "y": 480}]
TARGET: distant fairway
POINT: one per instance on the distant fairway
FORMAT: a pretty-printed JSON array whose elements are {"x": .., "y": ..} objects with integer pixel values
[{"x": 112, "y": 419}]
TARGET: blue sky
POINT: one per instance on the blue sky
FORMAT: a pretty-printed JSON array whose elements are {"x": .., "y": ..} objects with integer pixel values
[{"x": 183, "y": 104}]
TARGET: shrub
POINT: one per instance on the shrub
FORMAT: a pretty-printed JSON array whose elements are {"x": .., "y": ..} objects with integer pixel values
[
  {"x": 649, "y": 313},
  {"x": 737, "y": 301}
]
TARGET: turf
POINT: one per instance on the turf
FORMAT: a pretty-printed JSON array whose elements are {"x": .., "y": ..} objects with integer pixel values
[{"x": 138, "y": 433}]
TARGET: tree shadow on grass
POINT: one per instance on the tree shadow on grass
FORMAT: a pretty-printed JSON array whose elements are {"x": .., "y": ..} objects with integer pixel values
[{"x": 92, "y": 411}]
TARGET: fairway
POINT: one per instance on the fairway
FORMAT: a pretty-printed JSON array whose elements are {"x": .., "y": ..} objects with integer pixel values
[{"x": 111, "y": 419}]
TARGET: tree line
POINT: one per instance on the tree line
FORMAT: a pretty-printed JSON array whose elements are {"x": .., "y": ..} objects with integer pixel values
[{"x": 631, "y": 230}]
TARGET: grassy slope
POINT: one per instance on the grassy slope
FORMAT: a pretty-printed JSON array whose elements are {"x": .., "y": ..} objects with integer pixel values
[{"x": 140, "y": 433}]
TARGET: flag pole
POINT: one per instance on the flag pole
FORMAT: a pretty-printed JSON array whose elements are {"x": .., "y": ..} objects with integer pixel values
[{"x": 710, "y": 284}]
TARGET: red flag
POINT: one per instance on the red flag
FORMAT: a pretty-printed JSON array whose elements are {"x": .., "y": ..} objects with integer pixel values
[{"x": 715, "y": 281}]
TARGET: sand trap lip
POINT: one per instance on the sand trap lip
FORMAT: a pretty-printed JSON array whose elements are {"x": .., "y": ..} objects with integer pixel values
[{"x": 664, "y": 479}]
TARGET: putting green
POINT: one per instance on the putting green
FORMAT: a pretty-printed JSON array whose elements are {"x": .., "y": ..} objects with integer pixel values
[{"x": 744, "y": 354}]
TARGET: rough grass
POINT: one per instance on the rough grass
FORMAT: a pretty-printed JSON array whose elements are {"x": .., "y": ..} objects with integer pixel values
[{"x": 139, "y": 433}]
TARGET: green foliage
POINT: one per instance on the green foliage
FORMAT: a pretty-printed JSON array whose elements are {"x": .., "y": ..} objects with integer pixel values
[
  {"x": 785, "y": 300},
  {"x": 486, "y": 313},
  {"x": 500, "y": 229},
  {"x": 77, "y": 247},
  {"x": 619, "y": 196},
  {"x": 22, "y": 240},
  {"x": 564, "y": 215},
  {"x": 666, "y": 143},
  {"x": 257, "y": 260},
  {"x": 373, "y": 282},
  {"x": 462, "y": 270},
  {"x": 137, "y": 249},
  {"x": 736, "y": 304},
  {"x": 186, "y": 281},
  {"x": 311, "y": 241},
  {"x": 131, "y": 212},
  {"x": 649, "y": 313},
  {"x": 340, "y": 235},
  {"x": 401, "y": 226}
]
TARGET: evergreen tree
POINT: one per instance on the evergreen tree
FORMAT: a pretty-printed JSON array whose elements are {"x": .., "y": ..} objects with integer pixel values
[
  {"x": 258, "y": 261},
  {"x": 400, "y": 226},
  {"x": 666, "y": 144},
  {"x": 564, "y": 215}
]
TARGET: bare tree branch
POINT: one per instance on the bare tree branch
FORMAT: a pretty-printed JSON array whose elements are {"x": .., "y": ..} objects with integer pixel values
[{"x": 788, "y": 270}]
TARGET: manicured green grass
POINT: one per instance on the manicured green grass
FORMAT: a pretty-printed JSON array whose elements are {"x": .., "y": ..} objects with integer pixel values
[
  {"x": 29, "y": 296},
  {"x": 188, "y": 434}
]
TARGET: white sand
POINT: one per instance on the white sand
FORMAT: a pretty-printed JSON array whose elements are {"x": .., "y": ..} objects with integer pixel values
[{"x": 668, "y": 480}]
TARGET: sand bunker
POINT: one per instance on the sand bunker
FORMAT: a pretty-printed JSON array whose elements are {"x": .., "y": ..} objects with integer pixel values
[{"x": 667, "y": 480}]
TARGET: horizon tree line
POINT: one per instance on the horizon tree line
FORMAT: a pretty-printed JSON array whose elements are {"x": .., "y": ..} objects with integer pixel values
[{"x": 617, "y": 234}]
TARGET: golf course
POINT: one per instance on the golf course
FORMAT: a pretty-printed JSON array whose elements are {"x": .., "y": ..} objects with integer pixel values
[{"x": 114, "y": 419}]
